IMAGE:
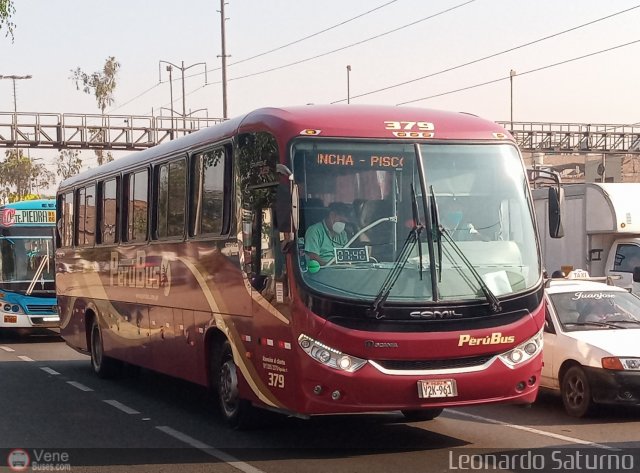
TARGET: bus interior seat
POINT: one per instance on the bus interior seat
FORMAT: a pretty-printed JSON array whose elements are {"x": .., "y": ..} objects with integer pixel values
[
  {"x": 311, "y": 211},
  {"x": 381, "y": 236}
]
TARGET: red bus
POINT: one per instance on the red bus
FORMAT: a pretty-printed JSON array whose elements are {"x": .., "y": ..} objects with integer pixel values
[{"x": 215, "y": 258}]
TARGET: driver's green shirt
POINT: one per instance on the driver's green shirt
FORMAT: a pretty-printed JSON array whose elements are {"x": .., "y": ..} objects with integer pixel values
[{"x": 318, "y": 240}]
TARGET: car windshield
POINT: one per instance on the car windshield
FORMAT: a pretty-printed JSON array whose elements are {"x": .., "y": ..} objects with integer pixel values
[
  {"x": 596, "y": 309},
  {"x": 25, "y": 257},
  {"x": 356, "y": 213}
]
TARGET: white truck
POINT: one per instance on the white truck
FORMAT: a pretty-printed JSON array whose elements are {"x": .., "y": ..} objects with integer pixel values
[{"x": 601, "y": 225}]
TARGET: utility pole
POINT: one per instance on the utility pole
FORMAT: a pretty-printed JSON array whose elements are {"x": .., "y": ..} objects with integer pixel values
[
  {"x": 224, "y": 60},
  {"x": 348, "y": 93},
  {"x": 182, "y": 69},
  {"x": 511, "y": 74}
]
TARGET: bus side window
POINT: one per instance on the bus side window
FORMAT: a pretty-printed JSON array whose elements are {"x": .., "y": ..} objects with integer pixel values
[
  {"x": 171, "y": 195},
  {"x": 108, "y": 211},
  {"x": 137, "y": 203},
  {"x": 210, "y": 204}
]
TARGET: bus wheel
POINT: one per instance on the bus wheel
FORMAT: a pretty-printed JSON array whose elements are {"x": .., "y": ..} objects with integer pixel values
[
  {"x": 576, "y": 392},
  {"x": 421, "y": 414},
  {"x": 236, "y": 412},
  {"x": 102, "y": 365}
]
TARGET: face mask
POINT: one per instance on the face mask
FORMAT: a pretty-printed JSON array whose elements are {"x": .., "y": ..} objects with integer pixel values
[{"x": 338, "y": 227}]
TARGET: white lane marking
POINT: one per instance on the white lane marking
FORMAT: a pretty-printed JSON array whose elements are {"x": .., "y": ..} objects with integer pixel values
[
  {"x": 122, "y": 407},
  {"x": 209, "y": 450},
  {"x": 533, "y": 431},
  {"x": 6, "y": 348},
  {"x": 81, "y": 387},
  {"x": 49, "y": 370},
  {"x": 25, "y": 358}
]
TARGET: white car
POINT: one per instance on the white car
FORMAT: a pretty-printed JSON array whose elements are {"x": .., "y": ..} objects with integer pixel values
[{"x": 591, "y": 344}]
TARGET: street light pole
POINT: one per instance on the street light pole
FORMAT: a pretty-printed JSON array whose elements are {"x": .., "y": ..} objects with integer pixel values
[
  {"x": 348, "y": 93},
  {"x": 511, "y": 74},
  {"x": 182, "y": 68},
  {"x": 14, "y": 78}
]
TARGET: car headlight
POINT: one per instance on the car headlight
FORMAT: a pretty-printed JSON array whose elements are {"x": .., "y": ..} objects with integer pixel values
[
  {"x": 620, "y": 363},
  {"x": 330, "y": 356},
  {"x": 524, "y": 352}
]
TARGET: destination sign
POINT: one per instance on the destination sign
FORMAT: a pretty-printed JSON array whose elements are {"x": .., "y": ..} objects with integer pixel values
[
  {"x": 366, "y": 160},
  {"x": 9, "y": 217}
]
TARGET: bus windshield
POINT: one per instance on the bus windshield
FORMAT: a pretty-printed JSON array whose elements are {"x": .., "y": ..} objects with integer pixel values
[
  {"x": 27, "y": 257},
  {"x": 357, "y": 210}
]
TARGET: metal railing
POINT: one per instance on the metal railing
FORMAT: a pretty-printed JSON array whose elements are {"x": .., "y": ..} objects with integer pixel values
[
  {"x": 85, "y": 131},
  {"x": 135, "y": 132},
  {"x": 575, "y": 137}
]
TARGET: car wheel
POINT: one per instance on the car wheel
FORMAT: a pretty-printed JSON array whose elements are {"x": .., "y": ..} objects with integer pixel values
[
  {"x": 576, "y": 392},
  {"x": 236, "y": 412},
  {"x": 102, "y": 365},
  {"x": 421, "y": 414}
]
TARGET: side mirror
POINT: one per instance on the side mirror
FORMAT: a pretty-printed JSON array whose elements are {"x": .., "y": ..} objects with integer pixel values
[
  {"x": 556, "y": 210},
  {"x": 636, "y": 274}
]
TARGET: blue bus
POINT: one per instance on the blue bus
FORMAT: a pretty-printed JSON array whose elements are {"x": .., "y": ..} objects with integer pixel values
[{"x": 27, "y": 290}]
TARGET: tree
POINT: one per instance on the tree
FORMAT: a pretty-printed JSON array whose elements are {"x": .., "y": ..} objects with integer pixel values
[
  {"x": 19, "y": 172},
  {"x": 68, "y": 163},
  {"x": 7, "y": 10},
  {"x": 101, "y": 84}
]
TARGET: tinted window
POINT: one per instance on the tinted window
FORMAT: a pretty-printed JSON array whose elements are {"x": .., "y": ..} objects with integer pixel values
[
  {"x": 109, "y": 211},
  {"x": 172, "y": 182},
  {"x": 137, "y": 206},
  {"x": 207, "y": 193}
]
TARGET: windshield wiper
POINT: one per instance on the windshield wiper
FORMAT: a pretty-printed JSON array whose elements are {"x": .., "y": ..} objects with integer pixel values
[
  {"x": 401, "y": 260},
  {"x": 494, "y": 302},
  {"x": 39, "y": 271},
  {"x": 435, "y": 218},
  {"x": 597, "y": 324}
]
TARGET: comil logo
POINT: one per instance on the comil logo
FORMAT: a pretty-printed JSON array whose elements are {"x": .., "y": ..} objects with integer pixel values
[
  {"x": 495, "y": 338},
  {"x": 18, "y": 460}
]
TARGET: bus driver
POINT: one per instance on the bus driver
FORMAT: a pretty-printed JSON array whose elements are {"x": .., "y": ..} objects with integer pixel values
[{"x": 322, "y": 237}]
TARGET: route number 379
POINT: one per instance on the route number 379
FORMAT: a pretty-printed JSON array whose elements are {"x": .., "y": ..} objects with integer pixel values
[
  {"x": 276, "y": 380},
  {"x": 409, "y": 126}
]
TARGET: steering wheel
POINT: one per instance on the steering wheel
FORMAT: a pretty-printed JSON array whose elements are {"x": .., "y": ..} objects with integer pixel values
[{"x": 361, "y": 231}]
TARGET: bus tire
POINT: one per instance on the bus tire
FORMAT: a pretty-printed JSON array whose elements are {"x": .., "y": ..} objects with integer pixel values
[
  {"x": 576, "y": 392},
  {"x": 236, "y": 412},
  {"x": 102, "y": 365},
  {"x": 421, "y": 414}
]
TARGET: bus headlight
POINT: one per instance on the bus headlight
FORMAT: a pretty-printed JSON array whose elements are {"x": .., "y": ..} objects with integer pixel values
[
  {"x": 12, "y": 308},
  {"x": 524, "y": 352},
  {"x": 330, "y": 356}
]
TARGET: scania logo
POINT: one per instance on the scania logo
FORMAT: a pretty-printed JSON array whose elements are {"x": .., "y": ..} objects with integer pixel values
[
  {"x": 372, "y": 344},
  {"x": 435, "y": 314}
]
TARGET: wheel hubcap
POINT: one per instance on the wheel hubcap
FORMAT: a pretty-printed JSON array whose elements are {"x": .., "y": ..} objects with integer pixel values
[
  {"x": 575, "y": 393},
  {"x": 96, "y": 348},
  {"x": 229, "y": 387}
]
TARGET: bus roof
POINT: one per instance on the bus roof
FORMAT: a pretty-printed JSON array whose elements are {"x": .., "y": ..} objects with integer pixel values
[
  {"x": 338, "y": 121},
  {"x": 36, "y": 204}
]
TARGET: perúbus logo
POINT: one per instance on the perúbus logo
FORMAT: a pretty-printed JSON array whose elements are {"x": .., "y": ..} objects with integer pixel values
[{"x": 18, "y": 460}]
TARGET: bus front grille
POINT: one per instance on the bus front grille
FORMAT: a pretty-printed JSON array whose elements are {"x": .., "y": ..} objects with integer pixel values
[
  {"x": 419, "y": 365},
  {"x": 41, "y": 309}
]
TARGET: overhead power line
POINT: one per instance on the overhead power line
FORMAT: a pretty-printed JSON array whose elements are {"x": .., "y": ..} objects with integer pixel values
[
  {"x": 530, "y": 71},
  {"x": 490, "y": 56},
  {"x": 272, "y": 50},
  {"x": 357, "y": 43}
]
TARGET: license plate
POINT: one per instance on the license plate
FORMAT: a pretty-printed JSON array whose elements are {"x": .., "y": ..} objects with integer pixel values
[
  {"x": 10, "y": 319},
  {"x": 437, "y": 388}
]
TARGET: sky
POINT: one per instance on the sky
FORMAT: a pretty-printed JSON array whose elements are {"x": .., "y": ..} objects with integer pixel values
[{"x": 431, "y": 54}]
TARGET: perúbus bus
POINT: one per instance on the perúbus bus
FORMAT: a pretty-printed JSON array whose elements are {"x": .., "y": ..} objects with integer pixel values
[
  {"x": 195, "y": 263},
  {"x": 27, "y": 293}
]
